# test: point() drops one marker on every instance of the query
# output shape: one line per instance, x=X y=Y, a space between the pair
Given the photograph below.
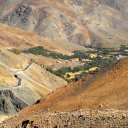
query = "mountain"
x=101 y=23
x=22 y=81
x=11 y=37
x=63 y=63
x=94 y=99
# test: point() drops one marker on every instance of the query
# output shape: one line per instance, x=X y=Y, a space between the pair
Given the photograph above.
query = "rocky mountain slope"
x=11 y=37
x=91 y=22
x=25 y=80
x=42 y=42
x=22 y=82
x=107 y=89
x=102 y=98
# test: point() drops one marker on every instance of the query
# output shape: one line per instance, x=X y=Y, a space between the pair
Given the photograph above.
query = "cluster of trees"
x=98 y=62
x=39 y=50
x=124 y=50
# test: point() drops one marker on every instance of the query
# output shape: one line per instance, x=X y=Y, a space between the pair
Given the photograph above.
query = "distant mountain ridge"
x=63 y=63
x=92 y=22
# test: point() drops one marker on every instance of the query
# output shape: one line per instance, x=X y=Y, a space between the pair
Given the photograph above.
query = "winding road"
x=21 y=72
x=17 y=74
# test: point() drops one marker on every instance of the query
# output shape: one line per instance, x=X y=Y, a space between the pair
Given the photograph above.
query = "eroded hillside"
x=91 y=22
x=101 y=98
x=22 y=82
x=19 y=39
x=26 y=62
x=66 y=60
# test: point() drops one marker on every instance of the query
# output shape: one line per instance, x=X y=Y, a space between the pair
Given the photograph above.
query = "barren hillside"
x=91 y=22
x=25 y=79
x=63 y=63
x=11 y=37
x=108 y=88
x=22 y=82
x=104 y=91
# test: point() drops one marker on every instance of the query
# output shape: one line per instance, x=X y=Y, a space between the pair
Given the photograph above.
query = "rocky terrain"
x=81 y=119
x=94 y=101
x=22 y=82
x=25 y=80
x=107 y=89
x=63 y=63
x=92 y=22
x=18 y=39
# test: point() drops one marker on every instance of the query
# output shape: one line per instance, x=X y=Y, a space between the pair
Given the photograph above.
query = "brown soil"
x=11 y=37
x=108 y=88
x=105 y=90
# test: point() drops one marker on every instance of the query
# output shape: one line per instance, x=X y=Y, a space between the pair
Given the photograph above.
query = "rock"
x=73 y=21
x=9 y=103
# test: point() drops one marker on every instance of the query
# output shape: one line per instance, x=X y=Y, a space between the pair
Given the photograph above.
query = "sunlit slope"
x=12 y=61
x=15 y=68
x=23 y=82
x=19 y=75
x=106 y=90
x=20 y=39
x=6 y=78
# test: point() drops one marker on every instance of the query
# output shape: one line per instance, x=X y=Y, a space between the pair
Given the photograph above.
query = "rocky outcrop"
x=9 y=103
x=20 y=16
